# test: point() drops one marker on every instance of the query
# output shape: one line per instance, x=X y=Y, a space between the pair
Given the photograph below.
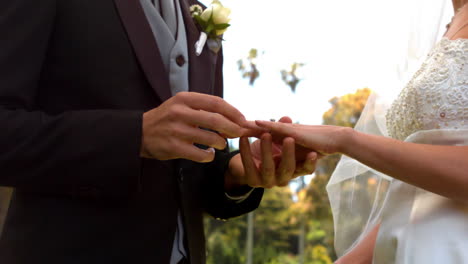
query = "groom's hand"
x=171 y=130
x=269 y=162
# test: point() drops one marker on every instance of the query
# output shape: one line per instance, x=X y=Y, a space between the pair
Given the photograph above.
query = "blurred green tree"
x=274 y=234
x=282 y=215
x=345 y=111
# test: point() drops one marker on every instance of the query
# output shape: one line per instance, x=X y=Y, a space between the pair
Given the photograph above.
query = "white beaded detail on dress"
x=437 y=95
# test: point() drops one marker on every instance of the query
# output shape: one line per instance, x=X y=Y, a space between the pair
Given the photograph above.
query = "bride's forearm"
x=363 y=252
x=439 y=169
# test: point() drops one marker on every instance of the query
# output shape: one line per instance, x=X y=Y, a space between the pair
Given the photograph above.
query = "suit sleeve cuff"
x=240 y=198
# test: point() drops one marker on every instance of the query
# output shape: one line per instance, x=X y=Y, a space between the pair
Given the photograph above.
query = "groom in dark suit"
x=100 y=104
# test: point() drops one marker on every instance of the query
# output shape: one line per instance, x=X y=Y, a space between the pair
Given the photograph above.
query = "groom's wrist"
x=232 y=178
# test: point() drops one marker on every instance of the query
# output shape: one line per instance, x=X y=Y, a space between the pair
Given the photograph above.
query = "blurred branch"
x=290 y=77
x=248 y=66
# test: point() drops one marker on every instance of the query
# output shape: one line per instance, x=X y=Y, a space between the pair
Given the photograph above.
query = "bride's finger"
x=251 y=129
x=278 y=127
x=250 y=169
x=296 y=131
x=277 y=137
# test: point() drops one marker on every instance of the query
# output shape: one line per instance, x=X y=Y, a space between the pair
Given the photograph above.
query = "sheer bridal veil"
x=358 y=193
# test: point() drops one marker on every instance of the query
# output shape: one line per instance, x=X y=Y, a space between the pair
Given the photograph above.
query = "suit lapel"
x=201 y=68
x=144 y=46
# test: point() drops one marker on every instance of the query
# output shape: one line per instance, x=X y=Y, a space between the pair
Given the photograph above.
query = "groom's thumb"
x=285 y=119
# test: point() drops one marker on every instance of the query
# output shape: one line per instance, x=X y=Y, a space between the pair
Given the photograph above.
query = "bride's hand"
x=320 y=138
x=272 y=160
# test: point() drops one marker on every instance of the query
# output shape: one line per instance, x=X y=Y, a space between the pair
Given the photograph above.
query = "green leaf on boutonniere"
x=221 y=26
x=203 y=24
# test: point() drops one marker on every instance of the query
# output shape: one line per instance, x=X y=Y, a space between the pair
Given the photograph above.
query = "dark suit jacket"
x=75 y=79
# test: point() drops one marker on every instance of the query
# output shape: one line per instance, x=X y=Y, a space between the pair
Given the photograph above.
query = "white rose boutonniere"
x=213 y=22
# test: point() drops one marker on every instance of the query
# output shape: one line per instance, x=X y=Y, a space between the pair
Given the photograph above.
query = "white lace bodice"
x=437 y=95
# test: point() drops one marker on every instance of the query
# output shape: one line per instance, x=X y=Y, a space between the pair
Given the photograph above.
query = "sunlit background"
x=337 y=51
x=341 y=49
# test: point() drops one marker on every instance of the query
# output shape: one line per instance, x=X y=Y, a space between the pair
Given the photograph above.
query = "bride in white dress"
x=404 y=198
